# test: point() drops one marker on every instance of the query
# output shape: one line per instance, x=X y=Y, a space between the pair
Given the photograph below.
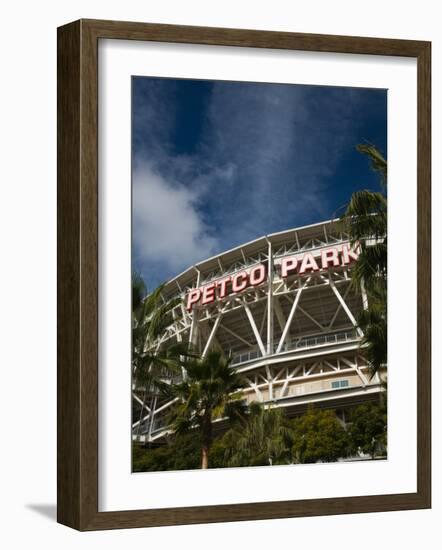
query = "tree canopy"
x=368 y=429
x=319 y=437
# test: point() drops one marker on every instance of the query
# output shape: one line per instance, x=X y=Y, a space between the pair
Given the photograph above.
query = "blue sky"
x=216 y=164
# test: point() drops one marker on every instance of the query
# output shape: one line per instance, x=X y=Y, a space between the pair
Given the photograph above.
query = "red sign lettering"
x=309 y=262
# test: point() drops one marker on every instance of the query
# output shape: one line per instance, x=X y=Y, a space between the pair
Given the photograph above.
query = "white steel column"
x=291 y=315
x=152 y=418
x=364 y=295
x=270 y=300
x=194 y=325
x=212 y=334
x=338 y=309
x=179 y=339
x=345 y=307
x=270 y=382
x=279 y=313
x=255 y=329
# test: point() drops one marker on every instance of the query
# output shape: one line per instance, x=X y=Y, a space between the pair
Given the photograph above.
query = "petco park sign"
x=300 y=264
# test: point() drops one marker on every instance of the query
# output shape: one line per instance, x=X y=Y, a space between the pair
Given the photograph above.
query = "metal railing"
x=299 y=343
x=306 y=342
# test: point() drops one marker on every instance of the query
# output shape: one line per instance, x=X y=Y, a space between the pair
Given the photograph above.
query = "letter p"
x=288 y=265
x=192 y=298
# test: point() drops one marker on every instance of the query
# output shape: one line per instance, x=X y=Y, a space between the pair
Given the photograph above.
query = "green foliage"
x=365 y=221
x=368 y=429
x=150 y=364
x=150 y=316
x=179 y=453
x=319 y=437
x=373 y=322
x=206 y=393
x=217 y=454
x=261 y=437
x=377 y=161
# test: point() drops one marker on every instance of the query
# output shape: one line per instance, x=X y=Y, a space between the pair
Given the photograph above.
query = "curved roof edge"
x=265 y=238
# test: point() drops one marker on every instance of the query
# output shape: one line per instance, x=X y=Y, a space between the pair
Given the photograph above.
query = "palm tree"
x=206 y=393
x=150 y=316
x=365 y=221
x=262 y=437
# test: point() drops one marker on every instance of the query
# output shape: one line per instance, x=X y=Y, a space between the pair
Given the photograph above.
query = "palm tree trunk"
x=204 y=458
x=206 y=440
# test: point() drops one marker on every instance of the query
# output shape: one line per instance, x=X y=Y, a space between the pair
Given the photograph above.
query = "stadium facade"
x=283 y=307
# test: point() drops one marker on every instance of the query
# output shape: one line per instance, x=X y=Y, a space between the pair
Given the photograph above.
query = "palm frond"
x=365 y=222
x=378 y=162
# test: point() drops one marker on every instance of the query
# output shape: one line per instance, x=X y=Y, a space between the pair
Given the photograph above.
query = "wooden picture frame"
x=77 y=387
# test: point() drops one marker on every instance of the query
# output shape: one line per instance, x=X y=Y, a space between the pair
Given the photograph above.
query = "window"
x=339 y=384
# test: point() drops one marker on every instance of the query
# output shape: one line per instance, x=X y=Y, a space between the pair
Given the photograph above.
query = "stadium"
x=284 y=309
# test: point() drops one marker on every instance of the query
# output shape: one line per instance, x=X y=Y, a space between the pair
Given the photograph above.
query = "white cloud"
x=168 y=229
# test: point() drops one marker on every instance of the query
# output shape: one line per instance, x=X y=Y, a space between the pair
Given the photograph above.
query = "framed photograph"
x=243 y=286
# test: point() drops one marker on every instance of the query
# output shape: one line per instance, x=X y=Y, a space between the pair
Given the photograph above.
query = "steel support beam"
x=338 y=309
x=193 y=337
x=312 y=319
x=240 y=338
x=291 y=315
x=279 y=313
x=254 y=329
x=345 y=307
x=212 y=335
